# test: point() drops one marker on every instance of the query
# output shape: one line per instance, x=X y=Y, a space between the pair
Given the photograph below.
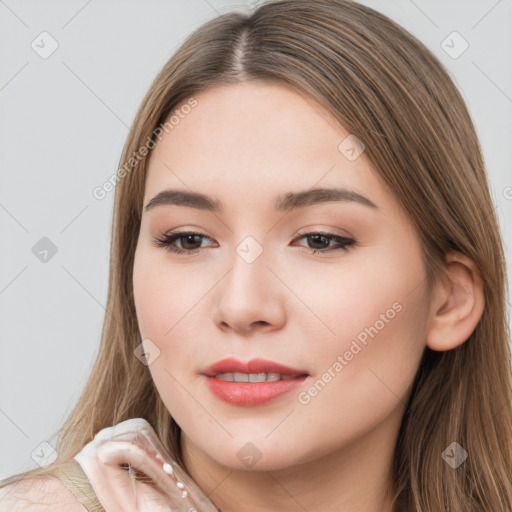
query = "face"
x=327 y=285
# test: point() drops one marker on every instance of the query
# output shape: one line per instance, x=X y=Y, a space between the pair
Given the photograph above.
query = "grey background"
x=63 y=122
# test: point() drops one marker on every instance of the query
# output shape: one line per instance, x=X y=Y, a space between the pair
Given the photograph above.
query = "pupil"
x=188 y=237
x=315 y=240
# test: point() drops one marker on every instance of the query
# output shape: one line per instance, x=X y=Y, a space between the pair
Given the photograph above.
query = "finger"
x=116 y=488
x=117 y=453
x=111 y=487
x=140 y=432
x=145 y=436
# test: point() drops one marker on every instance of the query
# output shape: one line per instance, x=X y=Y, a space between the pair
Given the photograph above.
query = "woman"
x=306 y=305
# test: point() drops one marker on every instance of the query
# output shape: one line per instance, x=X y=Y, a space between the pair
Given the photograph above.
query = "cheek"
x=379 y=313
x=364 y=296
x=150 y=302
x=164 y=296
x=161 y=300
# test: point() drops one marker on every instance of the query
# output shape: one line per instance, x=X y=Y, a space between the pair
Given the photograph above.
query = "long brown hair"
x=385 y=87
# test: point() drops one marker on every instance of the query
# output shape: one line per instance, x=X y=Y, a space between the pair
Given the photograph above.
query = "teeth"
x=253 y=377
x=257 y=377
x=240 y=377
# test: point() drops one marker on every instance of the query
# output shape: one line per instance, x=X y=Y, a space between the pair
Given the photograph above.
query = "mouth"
x=253 y=377
x=253 y=383
x=255 y=368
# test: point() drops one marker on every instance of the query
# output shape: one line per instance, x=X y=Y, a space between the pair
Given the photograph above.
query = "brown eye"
x=320 y=242
x=188 y=240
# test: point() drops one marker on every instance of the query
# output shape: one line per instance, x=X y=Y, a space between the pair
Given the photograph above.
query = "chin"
x=258 y=456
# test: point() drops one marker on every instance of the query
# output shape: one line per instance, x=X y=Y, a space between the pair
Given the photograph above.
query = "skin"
x=243 y=145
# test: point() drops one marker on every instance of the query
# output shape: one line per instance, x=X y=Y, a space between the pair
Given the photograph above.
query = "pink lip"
x=231 y=365
x=249 y=394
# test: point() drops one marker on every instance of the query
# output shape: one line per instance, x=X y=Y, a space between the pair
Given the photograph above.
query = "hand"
x=124 y=464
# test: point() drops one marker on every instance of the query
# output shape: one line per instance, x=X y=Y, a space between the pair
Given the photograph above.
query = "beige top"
x=74 y=478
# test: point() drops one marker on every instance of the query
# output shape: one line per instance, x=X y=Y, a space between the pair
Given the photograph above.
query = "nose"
x=250 y=298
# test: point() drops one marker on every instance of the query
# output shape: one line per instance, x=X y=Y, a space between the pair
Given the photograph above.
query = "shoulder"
x=47 y=494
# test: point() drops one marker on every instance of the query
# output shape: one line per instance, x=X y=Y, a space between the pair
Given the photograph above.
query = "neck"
x=355 y=478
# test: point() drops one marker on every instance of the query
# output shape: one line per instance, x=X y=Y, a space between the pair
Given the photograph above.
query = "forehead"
x=257 y=139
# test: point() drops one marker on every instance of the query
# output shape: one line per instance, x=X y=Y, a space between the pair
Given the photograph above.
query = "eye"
x=187 y=239
x=190 y=238
x=321 y=239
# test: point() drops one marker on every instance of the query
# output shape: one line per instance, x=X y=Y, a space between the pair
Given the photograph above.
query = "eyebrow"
x=284 y=203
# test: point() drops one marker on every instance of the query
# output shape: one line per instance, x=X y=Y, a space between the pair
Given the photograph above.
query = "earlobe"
x=457 y=305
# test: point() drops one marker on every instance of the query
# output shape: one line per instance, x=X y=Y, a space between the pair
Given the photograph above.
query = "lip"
x=250 y=394
x=231 y=365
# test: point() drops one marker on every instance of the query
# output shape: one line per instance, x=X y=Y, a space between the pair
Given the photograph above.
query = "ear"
x=457 y=304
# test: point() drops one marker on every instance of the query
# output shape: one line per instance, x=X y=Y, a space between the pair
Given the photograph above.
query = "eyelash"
x=166 y=242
